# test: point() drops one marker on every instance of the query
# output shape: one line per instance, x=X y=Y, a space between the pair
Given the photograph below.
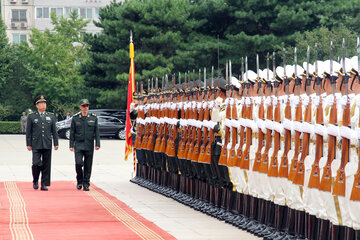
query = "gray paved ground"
x=112 y=174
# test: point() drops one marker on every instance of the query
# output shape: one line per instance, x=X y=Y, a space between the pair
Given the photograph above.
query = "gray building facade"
x=20 y=16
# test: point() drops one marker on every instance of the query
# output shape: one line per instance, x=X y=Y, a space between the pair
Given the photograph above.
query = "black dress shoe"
x=36 y=185
x=79 y=186
x=86 y=188
x=44 y=188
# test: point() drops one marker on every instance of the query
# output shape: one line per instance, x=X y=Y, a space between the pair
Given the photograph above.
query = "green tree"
x=53 y=60
x=322 y=37
x=163 y=31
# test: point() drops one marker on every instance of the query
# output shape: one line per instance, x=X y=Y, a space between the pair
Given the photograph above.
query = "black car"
x=118 y=113
x=108 y=127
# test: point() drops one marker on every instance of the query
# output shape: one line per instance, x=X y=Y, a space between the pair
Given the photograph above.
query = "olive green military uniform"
x=40 y=130
x=84 y=130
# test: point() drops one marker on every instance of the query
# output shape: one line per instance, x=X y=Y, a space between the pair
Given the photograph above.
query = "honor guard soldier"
x=84 y=130
x=40 y=131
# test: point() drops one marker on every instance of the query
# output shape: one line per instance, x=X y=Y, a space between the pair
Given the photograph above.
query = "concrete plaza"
x=112 y=174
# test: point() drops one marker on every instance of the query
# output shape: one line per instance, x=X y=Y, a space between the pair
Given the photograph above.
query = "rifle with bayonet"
x=355 y=193
x=314 y=181
x=170 y=148
x=151 y=139
x=145 y=139
x=191 y=116
x=257 y=162
x=264 y=167
x=232 y=154
x=284 y=164
x=141 y=116
x=340 y=183
x=245 y=161
x=206 y=120
x=196 y=151
x=160 y=116
x=223 y=160
x=208 y=149
x=300 y=168
x=274 y=169
x=183 y=118
x=298 y=115
x=194 y=117
x=325 y=184
x=166 y=115
x=243 y=116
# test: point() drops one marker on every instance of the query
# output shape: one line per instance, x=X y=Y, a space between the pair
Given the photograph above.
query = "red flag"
x=131 y=89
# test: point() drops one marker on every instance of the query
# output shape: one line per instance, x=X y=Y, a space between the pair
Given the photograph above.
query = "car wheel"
x=67 y=134
x=121 y=134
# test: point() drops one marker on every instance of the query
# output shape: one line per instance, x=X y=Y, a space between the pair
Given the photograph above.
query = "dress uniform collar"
x=80 y=115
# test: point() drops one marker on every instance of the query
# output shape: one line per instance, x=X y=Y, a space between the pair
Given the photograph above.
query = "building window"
x=86 y=13
x=70 y=10
x=57 y=11
x=17 y=38
x=42 y=13
x=96 y=13
x=18 y=15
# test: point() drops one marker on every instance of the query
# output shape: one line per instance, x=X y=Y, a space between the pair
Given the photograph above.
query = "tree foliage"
x=53 y=60
x=170 y=36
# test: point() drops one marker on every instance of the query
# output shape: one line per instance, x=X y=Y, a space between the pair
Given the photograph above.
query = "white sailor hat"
x=311 y=68
x=235 y=82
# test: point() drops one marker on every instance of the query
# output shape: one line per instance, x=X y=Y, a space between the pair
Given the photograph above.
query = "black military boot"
x=357 y=234
x=349 y=233
x=43 y=187
x=324 y=229
x=35 y=172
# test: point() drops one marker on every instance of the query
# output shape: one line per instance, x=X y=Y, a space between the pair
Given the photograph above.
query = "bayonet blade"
x=246 y=68
x=316 y=59
x=242 y=69
x=212 y=77
x=156 y=84
x=166 y=81
x=227 y=73
x=343 y=55
x=274 y=67
x=148 y=85
x=331 y=59
x=307 y=59
x=179 y=78
x=204 y=78
x=230 y=73
x=267 y=67
x=284 y=62
x=257 y=67
x=358 y=52
x=295 y=63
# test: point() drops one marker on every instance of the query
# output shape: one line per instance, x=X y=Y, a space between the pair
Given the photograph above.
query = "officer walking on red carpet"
x=40 y=130
x=84 y=130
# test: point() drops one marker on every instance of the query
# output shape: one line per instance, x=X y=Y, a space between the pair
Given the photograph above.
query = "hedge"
x=10 y=127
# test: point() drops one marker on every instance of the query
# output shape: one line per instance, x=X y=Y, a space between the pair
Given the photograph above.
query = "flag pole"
x=131 y=89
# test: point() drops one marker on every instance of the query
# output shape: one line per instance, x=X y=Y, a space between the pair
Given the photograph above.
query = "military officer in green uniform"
x=40 y=131
x=84 y=130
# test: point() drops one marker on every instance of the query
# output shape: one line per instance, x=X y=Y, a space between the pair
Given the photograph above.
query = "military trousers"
x=83 y=166
x=41 y=163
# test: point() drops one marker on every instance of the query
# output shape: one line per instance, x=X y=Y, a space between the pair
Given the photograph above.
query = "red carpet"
x=66 y=213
